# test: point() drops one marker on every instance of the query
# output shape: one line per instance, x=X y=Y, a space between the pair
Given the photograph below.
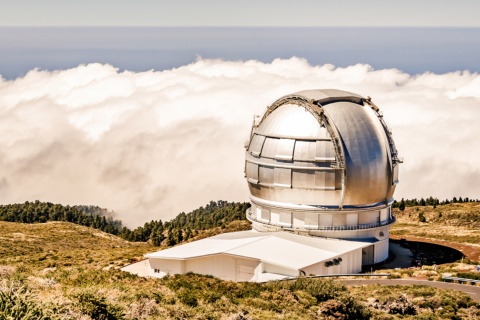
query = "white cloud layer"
x=152 y=144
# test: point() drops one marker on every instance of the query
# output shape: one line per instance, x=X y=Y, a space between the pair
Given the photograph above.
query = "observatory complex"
x=321 y=167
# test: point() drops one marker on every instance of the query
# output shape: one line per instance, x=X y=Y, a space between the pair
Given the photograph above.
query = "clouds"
x=149 y=145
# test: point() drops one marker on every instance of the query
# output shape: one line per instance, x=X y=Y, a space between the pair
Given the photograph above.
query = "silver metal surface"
x=323 y=148
x=251 y=217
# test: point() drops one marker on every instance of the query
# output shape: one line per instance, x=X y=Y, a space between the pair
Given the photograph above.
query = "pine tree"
x=171 y=239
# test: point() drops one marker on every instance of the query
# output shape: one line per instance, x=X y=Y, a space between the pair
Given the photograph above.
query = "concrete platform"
x=140 y=268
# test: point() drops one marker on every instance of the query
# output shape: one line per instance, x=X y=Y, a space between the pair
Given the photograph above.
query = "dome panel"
x=291 y=121
x=366 y=152
x=321 y=149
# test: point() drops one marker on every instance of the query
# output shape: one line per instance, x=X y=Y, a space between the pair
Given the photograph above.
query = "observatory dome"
x=317 y=150
x=321 y=167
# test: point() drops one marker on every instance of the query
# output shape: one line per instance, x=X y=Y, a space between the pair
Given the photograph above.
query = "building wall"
x=271 y=268
x=351 y=263
x=161 y=267
x=247 y=269
x=381 y=250
x=372 y=223
x=378 y=233
x=222 y=266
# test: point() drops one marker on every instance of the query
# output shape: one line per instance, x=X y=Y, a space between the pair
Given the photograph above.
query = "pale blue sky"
x=415 y=13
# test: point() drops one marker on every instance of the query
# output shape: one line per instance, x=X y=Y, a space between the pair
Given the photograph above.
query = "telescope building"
x=321 y=167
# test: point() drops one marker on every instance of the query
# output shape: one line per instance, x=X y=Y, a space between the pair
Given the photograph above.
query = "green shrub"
x=344 y=308
x=187 y=297
x=320 y=289
x=97 y=307
x=421 y=217
x=17 y=303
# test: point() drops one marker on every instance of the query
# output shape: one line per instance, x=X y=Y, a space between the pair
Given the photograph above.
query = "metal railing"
x=251 y=218
x=460 y=280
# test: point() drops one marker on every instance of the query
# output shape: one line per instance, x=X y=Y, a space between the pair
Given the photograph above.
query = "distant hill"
x=215 y=217
x=40 y=212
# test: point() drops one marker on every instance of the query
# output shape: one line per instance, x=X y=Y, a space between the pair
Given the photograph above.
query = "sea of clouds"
x=149 y=145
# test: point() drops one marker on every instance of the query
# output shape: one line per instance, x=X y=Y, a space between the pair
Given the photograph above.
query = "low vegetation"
x=47 y=277
x=455 y=222
x=416 y=302
x=62 y=270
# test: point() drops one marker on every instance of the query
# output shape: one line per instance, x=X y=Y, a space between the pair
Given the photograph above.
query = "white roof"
x=280 y=248
x=213 y=245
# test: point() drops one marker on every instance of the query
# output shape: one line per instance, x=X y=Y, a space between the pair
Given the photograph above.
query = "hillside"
x=60 y=270
x=216 y=216
x=63 y=244
x=455 y=222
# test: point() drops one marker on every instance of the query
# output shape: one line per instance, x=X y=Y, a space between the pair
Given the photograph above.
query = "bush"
x=187 y=297
x=320 y=289
x=344 y=308
x=421 y=217
x=97 y=307
x=17 y=303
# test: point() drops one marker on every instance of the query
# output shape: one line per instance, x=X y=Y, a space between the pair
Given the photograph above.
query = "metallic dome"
x=328 y=149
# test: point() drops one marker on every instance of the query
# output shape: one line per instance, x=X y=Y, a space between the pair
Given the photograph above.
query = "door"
x=245 y=270
x=368 y=256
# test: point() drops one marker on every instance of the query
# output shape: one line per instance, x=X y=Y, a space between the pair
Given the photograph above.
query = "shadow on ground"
x=405 y=254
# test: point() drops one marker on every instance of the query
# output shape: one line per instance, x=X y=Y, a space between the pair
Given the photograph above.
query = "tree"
x=421 y=217
x=422 y=202
x=188 y=233
x=179 y=235
x=171 y=239
x=157 y=236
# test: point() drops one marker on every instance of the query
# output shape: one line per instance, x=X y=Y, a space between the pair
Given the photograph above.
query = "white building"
x=321 y=167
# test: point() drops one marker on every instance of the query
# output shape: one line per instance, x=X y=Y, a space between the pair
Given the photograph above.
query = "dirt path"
x=471 y=251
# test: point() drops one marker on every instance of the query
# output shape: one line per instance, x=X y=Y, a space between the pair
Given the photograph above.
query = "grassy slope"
x=457 y=222
x=60 y=244
x=71 y=272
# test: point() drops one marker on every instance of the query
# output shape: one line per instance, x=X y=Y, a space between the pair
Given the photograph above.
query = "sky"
x=446 y=13
x=412 y=50
x=150 y=121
